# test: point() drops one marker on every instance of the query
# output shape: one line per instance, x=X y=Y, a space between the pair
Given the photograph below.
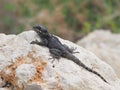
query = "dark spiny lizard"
x=57 y=49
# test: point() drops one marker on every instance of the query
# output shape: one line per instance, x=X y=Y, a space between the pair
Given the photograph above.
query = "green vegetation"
x=78 y=16
x=9 y=7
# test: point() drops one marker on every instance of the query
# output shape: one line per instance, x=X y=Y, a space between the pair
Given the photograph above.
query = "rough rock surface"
x=27 y=67
x=105 y=45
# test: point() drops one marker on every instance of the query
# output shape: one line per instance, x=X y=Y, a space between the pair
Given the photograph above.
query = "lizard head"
x=40 y=30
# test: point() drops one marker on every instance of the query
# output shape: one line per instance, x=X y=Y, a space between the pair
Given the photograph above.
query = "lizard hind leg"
x=56 y=54
x=71 y=50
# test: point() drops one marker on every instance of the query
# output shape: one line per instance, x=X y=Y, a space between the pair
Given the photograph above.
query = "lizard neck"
x=45 y=36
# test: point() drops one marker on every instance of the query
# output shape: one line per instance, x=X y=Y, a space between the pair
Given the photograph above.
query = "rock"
x=24 y=72
x=4 y=89
x=33 y=87
x=105 y=45
x=25 y=66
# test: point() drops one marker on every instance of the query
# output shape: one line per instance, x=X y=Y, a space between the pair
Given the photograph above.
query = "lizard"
x=57 y=49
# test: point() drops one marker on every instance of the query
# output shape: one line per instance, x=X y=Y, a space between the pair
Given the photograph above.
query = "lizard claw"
x=73 y=49
x=53 y=58
x=34 y=42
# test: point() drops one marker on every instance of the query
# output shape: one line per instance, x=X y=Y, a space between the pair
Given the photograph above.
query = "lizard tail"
x=89 y=69
x=78 y=62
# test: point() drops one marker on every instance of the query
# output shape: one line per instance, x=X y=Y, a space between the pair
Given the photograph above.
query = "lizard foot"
x=53 y=58
x=34 y=42
x=73 y=50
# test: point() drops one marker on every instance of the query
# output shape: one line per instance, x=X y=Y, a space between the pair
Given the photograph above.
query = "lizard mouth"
x=37 y=30
x=40 y=30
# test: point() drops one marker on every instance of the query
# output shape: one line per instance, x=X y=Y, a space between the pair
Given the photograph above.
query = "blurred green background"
x=69 y=19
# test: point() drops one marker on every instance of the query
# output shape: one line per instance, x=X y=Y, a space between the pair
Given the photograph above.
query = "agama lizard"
x=57 y=49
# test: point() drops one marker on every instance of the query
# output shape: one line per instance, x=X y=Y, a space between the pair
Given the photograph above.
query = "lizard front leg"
x=44 y=42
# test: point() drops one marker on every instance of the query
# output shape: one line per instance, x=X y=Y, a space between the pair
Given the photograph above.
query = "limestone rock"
x=105 y=45
x=27 y=67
